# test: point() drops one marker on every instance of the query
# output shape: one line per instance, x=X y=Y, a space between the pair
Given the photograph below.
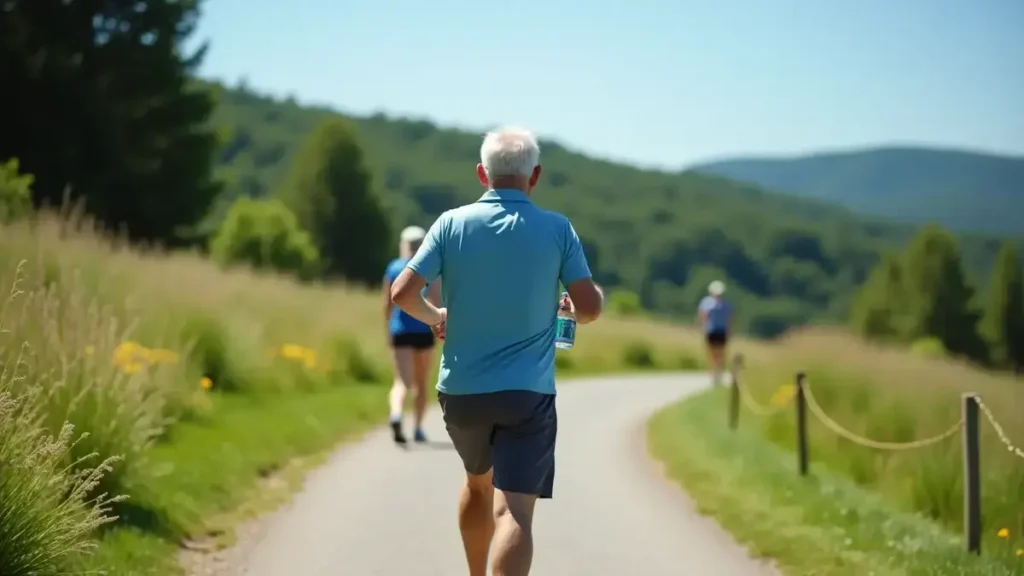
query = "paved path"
x=377 y=510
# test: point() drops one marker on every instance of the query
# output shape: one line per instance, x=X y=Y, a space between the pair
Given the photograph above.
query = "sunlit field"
x=185 y=384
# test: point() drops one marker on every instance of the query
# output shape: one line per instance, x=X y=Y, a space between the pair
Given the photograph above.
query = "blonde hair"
x=409 y=240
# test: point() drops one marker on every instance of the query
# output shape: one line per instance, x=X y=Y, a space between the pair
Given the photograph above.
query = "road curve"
x=376 y=510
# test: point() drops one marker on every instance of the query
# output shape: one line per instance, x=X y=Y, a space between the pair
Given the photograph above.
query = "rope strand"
x=834 y=426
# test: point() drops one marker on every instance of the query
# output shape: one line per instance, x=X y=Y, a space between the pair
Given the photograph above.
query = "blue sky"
x=658 y=83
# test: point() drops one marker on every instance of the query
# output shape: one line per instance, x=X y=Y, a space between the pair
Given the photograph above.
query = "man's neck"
x=510 y=184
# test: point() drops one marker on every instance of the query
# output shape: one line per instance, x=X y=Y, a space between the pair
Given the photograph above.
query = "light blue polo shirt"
x=501 y=259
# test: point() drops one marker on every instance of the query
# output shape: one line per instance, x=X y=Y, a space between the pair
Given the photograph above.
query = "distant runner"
x=715 y=314
x=411 y=342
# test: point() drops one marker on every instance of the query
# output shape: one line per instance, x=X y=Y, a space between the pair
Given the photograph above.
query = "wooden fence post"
x=734 y=393
x=972 y=474
x=801 y=424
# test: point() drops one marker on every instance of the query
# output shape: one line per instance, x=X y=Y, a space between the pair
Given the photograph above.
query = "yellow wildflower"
x=206 y=383
x=126 y=352
x=1003 y=533
x=293 y=351
x=1020 y=553
x=131 y=367
x=90 y=350
x=783 y=395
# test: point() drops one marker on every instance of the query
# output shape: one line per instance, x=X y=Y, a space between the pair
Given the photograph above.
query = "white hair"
x=509 y=151
x=716 y=288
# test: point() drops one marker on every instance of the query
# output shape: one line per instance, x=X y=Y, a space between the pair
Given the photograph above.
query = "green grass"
x=823 y=524
x=893 y=395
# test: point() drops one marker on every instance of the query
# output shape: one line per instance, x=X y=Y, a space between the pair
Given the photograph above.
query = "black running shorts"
x=417 y=340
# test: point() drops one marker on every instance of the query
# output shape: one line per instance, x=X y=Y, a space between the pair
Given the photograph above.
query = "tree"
x=329 y=190
x=1003 y=324
x=265 y=235
x=15 y=192
x=879 y=308
x=938 y=298
x=100 y=103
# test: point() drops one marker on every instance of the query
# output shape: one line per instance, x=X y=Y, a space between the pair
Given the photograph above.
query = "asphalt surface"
x=377 y=510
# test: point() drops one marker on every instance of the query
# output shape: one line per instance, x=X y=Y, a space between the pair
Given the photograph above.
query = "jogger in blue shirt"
x=715 y=315
x=411 y=341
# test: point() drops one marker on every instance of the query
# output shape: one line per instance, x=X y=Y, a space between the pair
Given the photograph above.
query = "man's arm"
x=425 y=266
x=407 y=294
x=387 y=299
x=586 y=297
x=434 y=292
x=587 y=300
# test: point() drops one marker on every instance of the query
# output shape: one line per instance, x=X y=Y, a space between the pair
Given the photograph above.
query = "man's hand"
x=440 y=329
x=586 y=300
x=566 y=304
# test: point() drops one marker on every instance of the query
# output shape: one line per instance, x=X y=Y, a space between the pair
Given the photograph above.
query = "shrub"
x=349 y=361
x=232 y=358
x=689 y=362
x=564 y=362
x=15 y=192
x=928 y=348
x=265 y=235
x=624 y=303
x=638 y=354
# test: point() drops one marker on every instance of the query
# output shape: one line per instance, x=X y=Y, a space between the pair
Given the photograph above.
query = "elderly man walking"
x=502 y=259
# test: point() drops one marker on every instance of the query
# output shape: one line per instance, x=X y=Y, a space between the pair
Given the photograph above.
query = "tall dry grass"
x=888 y=394
x=54 y=474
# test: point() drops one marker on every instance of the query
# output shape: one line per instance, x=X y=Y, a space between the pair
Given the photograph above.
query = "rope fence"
x=802 y=397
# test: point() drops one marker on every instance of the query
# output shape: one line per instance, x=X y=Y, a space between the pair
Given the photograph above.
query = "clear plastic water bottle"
x=565 y=327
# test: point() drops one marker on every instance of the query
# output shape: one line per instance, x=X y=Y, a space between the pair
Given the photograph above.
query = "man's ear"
x=481 y=175
x=535 y=176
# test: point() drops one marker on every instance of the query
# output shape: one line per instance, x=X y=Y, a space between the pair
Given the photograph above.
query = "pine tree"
x=330 y=192
x=879 y=309
x=938 y=297
x=111 y=113
x=1003 y=325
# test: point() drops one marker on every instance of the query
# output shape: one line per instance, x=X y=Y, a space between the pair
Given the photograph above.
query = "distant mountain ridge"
x=963 y=190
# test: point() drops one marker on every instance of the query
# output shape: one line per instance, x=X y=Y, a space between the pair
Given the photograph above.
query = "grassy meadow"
x=863 y=510
x=159 y=389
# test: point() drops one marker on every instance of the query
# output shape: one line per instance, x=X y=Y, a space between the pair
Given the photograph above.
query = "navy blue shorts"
x=512 y=431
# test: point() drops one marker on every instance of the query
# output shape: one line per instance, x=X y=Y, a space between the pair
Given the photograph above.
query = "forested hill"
x=664 y=236
x=960 y=190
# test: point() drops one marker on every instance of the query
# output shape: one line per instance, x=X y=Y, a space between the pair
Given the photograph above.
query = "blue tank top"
x=400 y=322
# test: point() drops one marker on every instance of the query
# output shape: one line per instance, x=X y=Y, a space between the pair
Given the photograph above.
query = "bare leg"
x=713 y=364
x=421 y=371
x=717 y=352
x=403 y=362
x=476 y=520
x=513 y=542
